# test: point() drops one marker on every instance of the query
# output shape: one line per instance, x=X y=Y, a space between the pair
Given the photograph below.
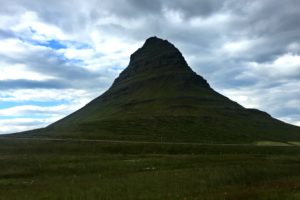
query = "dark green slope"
x=158 y=97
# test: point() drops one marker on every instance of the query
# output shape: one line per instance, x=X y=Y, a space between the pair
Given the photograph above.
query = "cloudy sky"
x=55 y=56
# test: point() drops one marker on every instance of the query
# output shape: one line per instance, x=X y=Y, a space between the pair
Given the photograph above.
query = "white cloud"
x=215 y=21
x=81 y=54
x=238 y=48
x=174 y=16
x=76 y=96
x=15 y=50
x=285 y=69
x=243 y=97
x=287 y=65
x=29 y=21
x=19 y=71
x=35 y=110
x=110 y=44
x=291 y=119
x=24 y=117
x=27 y=117
x=12 y=46
x=22 y=124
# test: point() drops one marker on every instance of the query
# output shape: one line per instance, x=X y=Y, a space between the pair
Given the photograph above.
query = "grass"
x=94 y=170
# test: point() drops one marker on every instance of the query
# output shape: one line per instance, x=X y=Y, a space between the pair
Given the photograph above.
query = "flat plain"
x=79 y=170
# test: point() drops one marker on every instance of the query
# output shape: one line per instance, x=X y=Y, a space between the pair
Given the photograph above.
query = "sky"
x=56 y=56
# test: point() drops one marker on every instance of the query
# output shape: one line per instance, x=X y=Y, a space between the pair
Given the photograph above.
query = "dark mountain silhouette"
x=159 y=97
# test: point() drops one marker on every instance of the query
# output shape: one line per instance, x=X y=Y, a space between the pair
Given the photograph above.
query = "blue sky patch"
x=25 y=117
x=78 y=45
x=53 y=44
x=6 y=104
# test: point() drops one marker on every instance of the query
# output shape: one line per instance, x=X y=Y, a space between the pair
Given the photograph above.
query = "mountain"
x=158 y=97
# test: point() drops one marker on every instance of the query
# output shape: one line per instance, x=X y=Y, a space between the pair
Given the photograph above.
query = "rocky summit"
x=158 y=97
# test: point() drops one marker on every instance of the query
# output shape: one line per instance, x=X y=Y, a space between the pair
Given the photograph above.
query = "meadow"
x=84 y=170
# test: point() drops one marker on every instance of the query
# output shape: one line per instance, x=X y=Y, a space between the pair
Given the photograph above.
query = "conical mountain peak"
x=155 y=42
x=157 y=52
x=158 y=58
x=159 y=96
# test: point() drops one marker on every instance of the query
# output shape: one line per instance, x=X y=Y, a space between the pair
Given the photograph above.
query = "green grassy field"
x=98 y=170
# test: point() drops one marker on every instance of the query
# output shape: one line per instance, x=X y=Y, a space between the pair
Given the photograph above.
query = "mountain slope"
x=158 y=97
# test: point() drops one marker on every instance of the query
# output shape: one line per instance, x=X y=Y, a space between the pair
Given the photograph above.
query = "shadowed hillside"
x=159 y=98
